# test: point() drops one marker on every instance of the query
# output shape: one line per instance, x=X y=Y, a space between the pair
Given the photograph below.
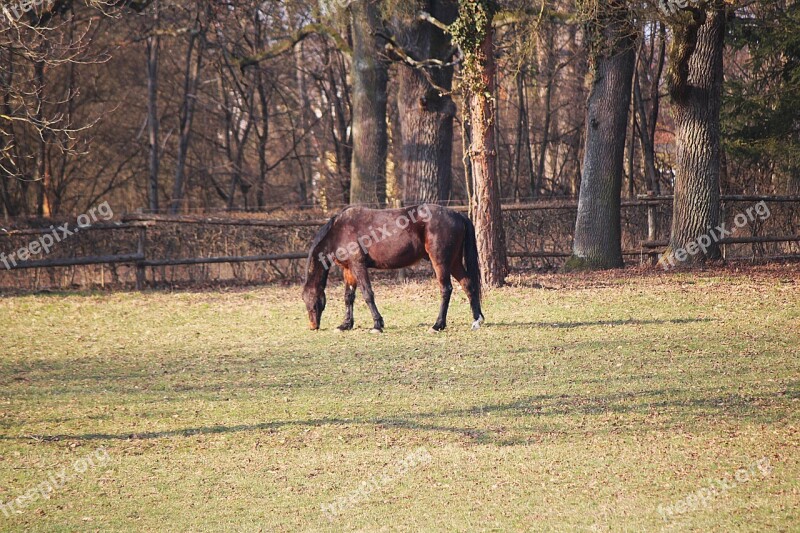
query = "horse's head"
x=314 y=297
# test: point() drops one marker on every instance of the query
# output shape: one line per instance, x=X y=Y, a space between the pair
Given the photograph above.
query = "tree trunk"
x=632 y=147
x=523 y=158
x=370 y=76
x=338 y=99
x=187 y=115
x=655 y=94
x=14 y=204
x=152 y=118
x=537 y=181
x=426 y=108
x=479 y=82
x=695 y=86
x=306 y=182
x=42 y=170
x=648 y=150
x=263 y=138
x=597 y=242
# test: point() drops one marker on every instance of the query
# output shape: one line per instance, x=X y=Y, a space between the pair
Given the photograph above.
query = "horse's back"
x=398 y=238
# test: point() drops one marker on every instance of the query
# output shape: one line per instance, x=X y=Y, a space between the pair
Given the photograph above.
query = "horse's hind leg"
x=349 y=298
x=474 y=300
x=362 y=277
x=443 y=276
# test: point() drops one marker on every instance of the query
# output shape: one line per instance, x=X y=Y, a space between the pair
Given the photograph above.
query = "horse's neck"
x=319 y=274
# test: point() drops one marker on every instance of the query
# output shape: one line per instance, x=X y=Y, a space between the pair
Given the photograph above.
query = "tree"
x=426 y=107
x=194 y=62
x=473 y=32
x=42 y=130
x=370 y=76
x=153 y=44
x=597 y=243
x=759 y=114
x=694 y=78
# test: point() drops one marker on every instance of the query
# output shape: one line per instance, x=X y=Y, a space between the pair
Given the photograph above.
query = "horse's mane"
x=318 y=238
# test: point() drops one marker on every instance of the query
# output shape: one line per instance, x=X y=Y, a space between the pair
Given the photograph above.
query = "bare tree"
x=427 y=110
x=194 y=61
x=153 y=44
x=695 y=86
x=597 y=242
x=370 y=76
x=473 y=31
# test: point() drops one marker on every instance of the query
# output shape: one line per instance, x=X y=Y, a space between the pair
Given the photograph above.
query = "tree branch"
x=289 y=43
x=684 y=43
x=427 y=17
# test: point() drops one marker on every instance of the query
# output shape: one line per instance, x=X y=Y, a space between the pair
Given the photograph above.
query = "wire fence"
x=144 y=249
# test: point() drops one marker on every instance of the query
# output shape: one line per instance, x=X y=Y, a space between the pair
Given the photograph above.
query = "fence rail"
x=141 y=223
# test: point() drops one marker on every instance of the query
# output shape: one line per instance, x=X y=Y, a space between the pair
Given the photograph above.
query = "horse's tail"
x=471 y=264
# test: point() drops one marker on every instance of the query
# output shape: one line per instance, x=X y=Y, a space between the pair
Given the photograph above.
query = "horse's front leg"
x=349 y=298
x=362 y=277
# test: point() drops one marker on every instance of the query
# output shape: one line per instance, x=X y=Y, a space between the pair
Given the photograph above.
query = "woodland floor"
x=584 y=404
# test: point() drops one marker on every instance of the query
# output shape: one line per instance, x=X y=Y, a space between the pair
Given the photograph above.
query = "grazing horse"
x=358 y=239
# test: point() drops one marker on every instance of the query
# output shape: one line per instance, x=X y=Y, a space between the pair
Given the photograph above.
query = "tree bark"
x=537 y=181
x=306 y=182
x=426 y=108
x=695 y=86
x=480 y=74
x=632 y=145
x=370 y=76
x=648 y=150
x=597 y=243
x=153 y=44
x=42 y=167
x=263 y=139
x=187 y=116
x=523 y=158
x=655 y=94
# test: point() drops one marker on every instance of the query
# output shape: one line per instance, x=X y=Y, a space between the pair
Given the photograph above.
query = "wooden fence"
x=649 y=247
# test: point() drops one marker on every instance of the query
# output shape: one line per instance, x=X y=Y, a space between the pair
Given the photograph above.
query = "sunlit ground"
x=583 y=404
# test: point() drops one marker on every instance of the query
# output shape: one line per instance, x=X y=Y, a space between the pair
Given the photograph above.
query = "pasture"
x=584 y=404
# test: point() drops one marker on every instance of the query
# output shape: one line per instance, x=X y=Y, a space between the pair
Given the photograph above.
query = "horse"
x=359 y=238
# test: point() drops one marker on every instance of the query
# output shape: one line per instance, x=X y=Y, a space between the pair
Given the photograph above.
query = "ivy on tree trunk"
x=473 y=32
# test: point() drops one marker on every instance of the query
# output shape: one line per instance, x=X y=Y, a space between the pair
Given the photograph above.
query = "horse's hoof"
x=477 y=324
x=434 y=330
x=376 y=330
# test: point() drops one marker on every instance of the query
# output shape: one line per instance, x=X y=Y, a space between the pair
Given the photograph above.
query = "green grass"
x=584 y=404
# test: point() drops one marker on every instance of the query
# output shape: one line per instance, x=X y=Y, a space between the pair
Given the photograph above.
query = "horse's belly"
x=399 y=254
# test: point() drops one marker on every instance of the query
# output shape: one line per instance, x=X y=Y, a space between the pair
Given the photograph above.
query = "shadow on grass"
x=569 y=325
x=671 y=408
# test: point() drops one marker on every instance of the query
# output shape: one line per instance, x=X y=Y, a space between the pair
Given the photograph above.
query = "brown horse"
x=358 y=239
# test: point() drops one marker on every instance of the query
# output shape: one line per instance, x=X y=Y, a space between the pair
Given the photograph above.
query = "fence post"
x=652 y=224
x=141 y=277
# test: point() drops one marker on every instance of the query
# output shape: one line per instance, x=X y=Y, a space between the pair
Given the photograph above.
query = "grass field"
x=584 y=404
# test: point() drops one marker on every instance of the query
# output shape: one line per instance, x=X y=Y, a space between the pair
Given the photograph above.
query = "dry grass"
x=585 y=404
